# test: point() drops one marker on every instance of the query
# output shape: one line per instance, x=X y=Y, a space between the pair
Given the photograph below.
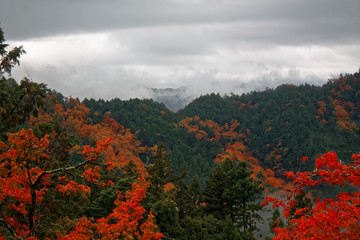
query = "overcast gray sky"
x=123 y=48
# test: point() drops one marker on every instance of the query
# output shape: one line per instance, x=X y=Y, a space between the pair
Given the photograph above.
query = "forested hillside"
x=277 y=126
x=290 y=121
x=132 y=169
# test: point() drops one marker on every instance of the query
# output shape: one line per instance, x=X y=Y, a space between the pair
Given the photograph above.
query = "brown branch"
x=32 y=207
x=10 y=228
x=64 y=169
x=14 y=108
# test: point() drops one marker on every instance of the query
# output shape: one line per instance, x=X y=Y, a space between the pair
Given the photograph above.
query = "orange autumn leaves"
x=124 y=148
x=199 y=127
x=24 y=182
x=125 y=222
x=343 y=109
x=321 y=112
x=16 y=175
x=238 y=152
x=343 y=118
x=234 y=149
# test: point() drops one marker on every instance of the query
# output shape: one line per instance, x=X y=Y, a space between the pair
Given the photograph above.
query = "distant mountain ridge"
x=173 y=98
x=281 y=125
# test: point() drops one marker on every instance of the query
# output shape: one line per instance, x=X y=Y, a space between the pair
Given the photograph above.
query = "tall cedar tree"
x=161 y=173
x=231 y=193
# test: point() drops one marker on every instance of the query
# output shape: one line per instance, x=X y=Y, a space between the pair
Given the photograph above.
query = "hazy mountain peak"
x=173 y=98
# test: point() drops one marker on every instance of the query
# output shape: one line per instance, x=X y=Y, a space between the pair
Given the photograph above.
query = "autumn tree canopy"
x=34 y=171
x=327 y=218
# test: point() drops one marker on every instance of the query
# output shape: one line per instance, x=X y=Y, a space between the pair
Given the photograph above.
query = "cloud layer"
x=125 y=48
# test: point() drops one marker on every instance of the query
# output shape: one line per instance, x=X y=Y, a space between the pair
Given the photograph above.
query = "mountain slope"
x=290 y=121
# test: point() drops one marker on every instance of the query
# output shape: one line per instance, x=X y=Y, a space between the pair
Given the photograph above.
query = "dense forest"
x=277 y=126
x=132 y=169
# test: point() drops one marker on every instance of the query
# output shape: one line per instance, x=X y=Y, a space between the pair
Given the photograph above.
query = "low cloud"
x=126 y=48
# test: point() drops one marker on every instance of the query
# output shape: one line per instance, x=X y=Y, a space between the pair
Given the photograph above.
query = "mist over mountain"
x=173 y=98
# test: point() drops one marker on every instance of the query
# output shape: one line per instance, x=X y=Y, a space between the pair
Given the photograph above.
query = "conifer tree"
x=231 y=194
x=17 y=101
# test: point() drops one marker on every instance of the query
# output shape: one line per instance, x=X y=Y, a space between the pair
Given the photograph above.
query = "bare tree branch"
x=10 y=228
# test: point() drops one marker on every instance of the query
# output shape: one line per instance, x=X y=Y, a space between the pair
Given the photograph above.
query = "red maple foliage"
x=125 y=147
x=343 y=118
x=327 y=218
x=238 y=152
x=25 y=179
x=125 y=222
x=235 y=149
x=322 y=108
x=227 y=131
